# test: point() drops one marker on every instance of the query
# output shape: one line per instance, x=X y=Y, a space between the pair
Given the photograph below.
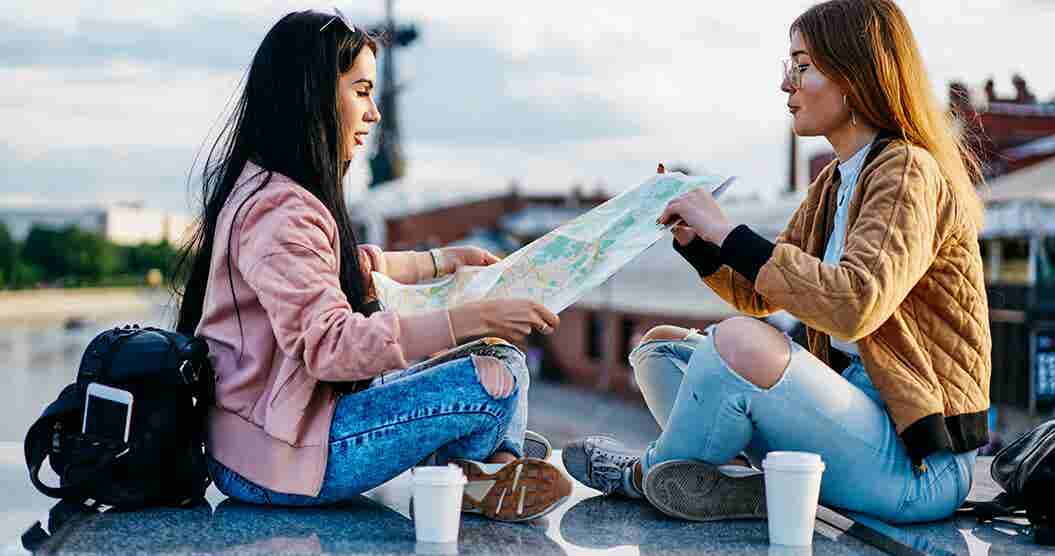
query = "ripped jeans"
x=711 y=413
x=438 y=406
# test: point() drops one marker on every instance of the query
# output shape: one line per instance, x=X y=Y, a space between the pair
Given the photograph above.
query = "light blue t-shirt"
x=848 y=173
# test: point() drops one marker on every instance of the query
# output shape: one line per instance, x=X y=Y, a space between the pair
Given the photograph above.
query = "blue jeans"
x=438 y=407
x=710 y=413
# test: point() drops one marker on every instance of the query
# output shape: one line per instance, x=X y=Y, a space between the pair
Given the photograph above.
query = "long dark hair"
x=287 y=121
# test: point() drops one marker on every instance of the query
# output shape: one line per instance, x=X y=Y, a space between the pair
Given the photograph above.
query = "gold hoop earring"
x=853 y=117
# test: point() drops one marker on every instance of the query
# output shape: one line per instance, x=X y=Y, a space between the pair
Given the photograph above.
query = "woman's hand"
x=682 y=233
x=509 y=319
x=698 y=212
x=453 y=258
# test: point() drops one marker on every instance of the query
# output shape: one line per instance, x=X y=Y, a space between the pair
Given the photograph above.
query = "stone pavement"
x=379 y=522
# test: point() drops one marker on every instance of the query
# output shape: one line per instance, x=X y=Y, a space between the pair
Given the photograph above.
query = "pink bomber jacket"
x=298 y=333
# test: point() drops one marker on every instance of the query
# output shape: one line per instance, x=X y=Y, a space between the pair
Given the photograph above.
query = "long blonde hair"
x=868 y=47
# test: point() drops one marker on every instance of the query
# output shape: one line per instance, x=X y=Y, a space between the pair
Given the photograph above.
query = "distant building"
x=124 y=224
x=400 y=215
x=20 y=219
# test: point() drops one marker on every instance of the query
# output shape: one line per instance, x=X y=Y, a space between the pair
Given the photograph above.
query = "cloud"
x=155 y=175
x=214 y=42
x=116 y=96
x=463 y=90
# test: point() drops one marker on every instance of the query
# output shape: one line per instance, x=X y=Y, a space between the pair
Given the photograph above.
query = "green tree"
x=141 y=258
x=25 y=275
x=70 y=255
x=8 y=257
x=41 y=249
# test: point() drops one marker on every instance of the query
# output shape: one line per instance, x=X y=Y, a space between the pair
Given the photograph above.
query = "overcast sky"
x=111 y=100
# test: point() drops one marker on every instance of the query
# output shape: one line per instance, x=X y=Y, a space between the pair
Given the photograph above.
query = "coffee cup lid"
x=438 y=475
x=793 y=461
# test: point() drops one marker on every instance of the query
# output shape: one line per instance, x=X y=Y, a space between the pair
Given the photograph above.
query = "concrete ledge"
x=379 y=523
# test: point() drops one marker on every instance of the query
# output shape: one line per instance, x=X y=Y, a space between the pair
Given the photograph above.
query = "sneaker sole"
x=522 y=490
x=536 y=446
x=698 y=491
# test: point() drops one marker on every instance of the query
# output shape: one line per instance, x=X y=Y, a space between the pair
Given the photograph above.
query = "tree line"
x=70 y=257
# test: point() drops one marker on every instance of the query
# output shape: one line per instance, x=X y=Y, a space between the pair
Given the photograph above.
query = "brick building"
x=401 y=216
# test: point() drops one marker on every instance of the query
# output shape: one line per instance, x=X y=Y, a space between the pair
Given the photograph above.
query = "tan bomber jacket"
x=909 y=290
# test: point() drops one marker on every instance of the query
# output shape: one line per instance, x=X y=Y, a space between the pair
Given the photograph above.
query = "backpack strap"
x=197 y=374
x=1002 y=505
x=62 y=516
x=101 y=351
x=46 y=437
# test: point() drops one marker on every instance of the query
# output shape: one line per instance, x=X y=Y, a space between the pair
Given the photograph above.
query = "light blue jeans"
x=438 y=407
x=710 y=413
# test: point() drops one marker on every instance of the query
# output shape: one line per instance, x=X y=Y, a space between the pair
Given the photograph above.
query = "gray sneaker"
x=698 y=491
x=602 y=463
x=536 y=446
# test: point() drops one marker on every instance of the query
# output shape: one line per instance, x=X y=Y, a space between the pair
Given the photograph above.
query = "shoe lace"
x=607 y=470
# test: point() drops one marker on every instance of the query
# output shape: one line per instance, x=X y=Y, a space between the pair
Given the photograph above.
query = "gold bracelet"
x=435 y=253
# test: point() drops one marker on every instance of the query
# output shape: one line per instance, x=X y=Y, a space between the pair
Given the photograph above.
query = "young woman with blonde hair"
x=880 y=262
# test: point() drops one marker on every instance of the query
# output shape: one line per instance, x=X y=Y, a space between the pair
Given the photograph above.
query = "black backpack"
x=163 y=461
x=1025 y=469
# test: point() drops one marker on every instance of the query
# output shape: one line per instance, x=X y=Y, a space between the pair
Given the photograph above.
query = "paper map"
x=561 y=266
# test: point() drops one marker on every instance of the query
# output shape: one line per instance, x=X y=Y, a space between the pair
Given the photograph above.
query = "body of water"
x=40 y=358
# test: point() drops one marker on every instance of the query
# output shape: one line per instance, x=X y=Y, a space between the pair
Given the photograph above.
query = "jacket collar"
x=883 y=138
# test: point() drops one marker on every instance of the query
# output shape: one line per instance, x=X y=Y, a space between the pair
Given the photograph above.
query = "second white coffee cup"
x=437 y=493
x=793 y=486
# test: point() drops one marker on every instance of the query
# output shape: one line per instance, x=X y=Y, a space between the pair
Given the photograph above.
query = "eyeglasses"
x=792 y=72
x=339 y=16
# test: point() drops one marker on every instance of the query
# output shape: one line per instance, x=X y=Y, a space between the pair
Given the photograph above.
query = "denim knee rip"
x=496 y=377
x=648 y=347
x=712 y=350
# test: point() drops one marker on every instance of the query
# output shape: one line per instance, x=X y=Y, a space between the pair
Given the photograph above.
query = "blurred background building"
x=120 y=223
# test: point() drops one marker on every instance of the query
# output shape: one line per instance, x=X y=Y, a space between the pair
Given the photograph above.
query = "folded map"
x=560 y=267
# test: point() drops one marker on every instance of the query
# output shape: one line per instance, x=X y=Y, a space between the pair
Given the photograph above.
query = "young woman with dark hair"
x=314 y=399
x=880 y=262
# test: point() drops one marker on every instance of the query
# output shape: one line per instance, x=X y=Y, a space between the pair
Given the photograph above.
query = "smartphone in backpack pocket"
x=107 y=412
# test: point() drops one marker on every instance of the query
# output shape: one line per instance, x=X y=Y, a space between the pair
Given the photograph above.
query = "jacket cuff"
x=424 y=334
x=746 y=252
x=926 y=436
x=703 y=255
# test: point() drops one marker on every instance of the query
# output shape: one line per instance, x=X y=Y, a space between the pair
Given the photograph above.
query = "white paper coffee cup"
x=437 y=493
x=793 y=487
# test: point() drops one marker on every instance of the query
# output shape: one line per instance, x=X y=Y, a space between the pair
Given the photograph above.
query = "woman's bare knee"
x=494 y=376
x=753 y=349
x=665 y=332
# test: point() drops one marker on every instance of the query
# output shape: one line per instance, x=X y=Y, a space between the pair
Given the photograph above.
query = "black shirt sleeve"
x=746 y=252
x=703 y=255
